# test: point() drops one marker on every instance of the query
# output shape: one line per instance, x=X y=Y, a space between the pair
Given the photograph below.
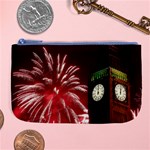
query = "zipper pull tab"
x=28 y=42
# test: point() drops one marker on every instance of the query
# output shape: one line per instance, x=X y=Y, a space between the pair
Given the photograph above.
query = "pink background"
x=67 y=26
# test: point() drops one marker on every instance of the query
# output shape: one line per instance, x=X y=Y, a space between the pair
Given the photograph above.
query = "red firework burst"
x=50 y=92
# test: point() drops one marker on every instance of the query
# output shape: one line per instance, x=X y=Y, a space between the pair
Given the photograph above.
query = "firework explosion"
x=49 y=92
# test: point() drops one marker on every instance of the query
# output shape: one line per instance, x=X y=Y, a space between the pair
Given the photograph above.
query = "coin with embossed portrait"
x=1 y=119
x=35 y=16
x=29 y=139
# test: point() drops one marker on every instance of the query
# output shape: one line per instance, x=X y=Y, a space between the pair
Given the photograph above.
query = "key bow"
x=83 y=6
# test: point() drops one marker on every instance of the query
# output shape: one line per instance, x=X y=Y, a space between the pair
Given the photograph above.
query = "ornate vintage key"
x=87 y=6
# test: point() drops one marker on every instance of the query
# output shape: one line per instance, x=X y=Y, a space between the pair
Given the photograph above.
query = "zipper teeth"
x=38 y=42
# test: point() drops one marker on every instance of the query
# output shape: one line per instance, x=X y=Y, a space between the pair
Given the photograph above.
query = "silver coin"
x=35 y=16
x=1 y=119
x=29 y=140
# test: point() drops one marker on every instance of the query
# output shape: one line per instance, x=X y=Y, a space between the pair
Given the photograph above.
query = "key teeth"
x=145 y=23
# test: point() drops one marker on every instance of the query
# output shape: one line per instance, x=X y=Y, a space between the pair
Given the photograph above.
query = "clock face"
x=120 y=92
x=98 y=92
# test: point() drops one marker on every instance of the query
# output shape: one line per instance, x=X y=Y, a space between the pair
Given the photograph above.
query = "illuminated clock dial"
x=120 y=92
x=98 y=92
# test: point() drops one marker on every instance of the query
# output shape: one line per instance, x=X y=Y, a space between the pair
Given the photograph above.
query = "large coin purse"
x=84 y=83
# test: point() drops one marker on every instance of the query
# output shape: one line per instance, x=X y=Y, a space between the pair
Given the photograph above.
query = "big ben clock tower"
x=109 y=92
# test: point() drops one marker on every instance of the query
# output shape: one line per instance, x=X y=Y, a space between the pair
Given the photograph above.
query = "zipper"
x=40 y=42
x=28 y=42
